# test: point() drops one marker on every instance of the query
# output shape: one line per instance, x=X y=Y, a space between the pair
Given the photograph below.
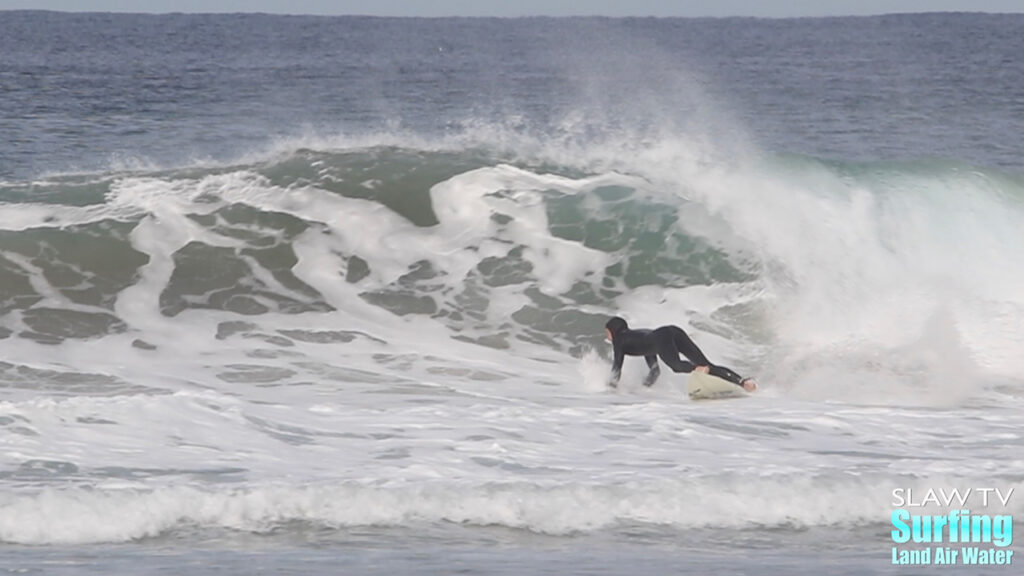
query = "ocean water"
x=310 y=295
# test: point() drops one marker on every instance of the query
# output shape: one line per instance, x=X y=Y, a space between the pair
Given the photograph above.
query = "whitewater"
x=387 y=345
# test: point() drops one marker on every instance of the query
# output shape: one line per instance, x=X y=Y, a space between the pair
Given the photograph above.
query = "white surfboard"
x=701 y=386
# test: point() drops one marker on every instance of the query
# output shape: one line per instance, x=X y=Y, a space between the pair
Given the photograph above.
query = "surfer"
x=665 y=343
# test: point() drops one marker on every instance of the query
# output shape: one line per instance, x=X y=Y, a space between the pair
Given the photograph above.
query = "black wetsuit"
x=665 y=343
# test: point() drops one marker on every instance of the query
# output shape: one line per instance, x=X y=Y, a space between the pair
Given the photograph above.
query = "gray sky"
x=763 y=8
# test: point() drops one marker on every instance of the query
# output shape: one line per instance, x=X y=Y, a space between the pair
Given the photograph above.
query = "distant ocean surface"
x=326 y=295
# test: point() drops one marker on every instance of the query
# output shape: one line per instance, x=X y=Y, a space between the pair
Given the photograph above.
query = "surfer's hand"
x=702 y=369
x=749 y=384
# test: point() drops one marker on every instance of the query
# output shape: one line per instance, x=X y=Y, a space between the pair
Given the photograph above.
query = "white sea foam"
x=348 y=453
x=116 y=515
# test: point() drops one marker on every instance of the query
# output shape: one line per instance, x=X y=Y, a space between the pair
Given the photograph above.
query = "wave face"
x=822 y=264
x=444 y=236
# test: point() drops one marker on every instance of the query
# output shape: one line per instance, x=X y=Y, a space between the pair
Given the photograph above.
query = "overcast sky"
x=763 y=8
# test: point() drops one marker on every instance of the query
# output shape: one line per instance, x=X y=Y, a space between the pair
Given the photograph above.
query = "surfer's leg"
x=726 y=374
x=683 y=343
x=664 y=340
x=652 y=376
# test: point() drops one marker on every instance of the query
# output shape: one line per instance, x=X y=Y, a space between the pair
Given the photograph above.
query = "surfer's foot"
x=749 y=384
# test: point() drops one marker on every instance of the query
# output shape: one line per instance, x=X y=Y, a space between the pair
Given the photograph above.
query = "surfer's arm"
x=620 y=355
x=652 y=376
